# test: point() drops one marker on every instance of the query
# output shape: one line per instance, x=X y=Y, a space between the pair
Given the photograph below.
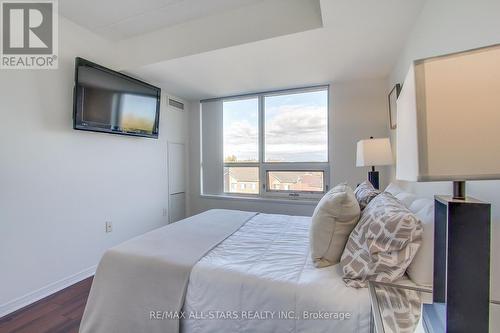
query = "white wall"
x=58 y=186
x=358 y=110
x=446 y=26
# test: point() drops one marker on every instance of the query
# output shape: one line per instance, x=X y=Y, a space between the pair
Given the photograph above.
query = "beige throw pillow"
x=333 y=220
x=383 y=243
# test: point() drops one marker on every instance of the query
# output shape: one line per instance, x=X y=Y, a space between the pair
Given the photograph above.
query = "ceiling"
x=219 y=48
x=359 y=40
x=120 y=19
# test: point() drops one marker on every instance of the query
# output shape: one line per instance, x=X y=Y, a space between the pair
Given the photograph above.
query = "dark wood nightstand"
x=397 y=308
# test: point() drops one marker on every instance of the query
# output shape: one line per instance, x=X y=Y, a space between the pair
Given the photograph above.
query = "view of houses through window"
x=246 y=180
x=289 y=154
x=295 y=181
x=241 y=180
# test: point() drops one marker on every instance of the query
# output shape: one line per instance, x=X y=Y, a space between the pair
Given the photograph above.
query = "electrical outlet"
x=109 y=226
x=165 y=212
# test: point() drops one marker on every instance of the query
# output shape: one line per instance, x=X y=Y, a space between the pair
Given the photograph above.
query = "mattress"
x=262 y=279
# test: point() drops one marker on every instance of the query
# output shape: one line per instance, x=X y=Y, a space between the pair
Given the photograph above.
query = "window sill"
x=309 y=202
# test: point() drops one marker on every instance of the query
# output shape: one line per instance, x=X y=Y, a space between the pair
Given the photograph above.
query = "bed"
x=259 y=278
x=235 y=271
x=266 y=266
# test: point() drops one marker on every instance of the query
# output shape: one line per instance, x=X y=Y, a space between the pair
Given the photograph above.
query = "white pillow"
x=332 y=222
x=393 y=189
x=421 y=268
x=406 y=198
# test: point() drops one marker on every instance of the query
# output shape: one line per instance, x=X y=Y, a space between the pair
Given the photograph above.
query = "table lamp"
x=448 y=130
x=372 y=153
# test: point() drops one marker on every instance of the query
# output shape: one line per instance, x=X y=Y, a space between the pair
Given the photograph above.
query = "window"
x=241 y=145
x=276 y=144
x=242 y=180
x=241 y=131
x=296 y=127
x=297 y=181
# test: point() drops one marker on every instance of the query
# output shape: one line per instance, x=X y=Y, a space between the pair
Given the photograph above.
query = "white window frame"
x=264 y=189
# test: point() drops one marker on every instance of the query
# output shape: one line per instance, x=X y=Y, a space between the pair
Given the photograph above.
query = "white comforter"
x=149 y=274
x=262 y=274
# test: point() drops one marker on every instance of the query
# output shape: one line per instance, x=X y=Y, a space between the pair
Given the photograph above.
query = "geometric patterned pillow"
x=405 y=311
x=383 y=243
x=364 y=193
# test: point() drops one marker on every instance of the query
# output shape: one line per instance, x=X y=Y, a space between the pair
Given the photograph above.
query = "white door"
x=176 y=181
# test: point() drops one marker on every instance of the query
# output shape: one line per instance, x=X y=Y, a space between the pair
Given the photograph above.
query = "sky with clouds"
x=296 y=128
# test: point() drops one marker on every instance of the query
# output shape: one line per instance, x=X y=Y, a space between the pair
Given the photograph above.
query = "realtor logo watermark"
x=29 y=37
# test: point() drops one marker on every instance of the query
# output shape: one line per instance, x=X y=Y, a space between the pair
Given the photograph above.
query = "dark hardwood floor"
x=57 y=313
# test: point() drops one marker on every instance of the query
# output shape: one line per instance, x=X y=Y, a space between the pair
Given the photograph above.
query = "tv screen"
x=111 y=102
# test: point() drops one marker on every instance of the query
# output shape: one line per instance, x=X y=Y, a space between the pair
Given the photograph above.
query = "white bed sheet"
x=264 y=272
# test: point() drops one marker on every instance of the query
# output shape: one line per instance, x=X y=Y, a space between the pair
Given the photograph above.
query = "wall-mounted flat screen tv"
x=111 y=102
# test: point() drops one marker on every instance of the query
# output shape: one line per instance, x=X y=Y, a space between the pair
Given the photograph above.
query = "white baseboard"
x=43 y=292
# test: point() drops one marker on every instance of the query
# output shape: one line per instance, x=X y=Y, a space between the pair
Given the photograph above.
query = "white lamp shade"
x=449 y=118
x=374 y=152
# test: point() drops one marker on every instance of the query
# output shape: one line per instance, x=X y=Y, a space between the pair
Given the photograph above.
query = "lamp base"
x=459 y=190
x=373 y=178
x=461 y=241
